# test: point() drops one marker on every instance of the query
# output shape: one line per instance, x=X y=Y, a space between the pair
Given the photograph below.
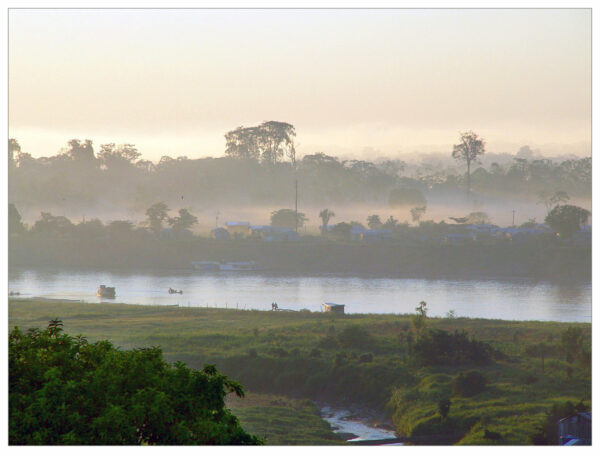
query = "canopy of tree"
x=287 y=218
x=567 y=219
x=269 y=142
x=80 y=177
x=66 y=391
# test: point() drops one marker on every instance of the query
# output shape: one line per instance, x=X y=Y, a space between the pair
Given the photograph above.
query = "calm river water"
x=499 y=299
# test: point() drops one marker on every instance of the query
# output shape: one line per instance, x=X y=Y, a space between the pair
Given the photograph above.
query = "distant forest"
x=259 y=167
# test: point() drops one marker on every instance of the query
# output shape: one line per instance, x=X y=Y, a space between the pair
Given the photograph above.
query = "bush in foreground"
x=64 y=390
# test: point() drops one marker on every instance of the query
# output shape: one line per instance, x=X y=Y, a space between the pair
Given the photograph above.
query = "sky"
x=355 y=82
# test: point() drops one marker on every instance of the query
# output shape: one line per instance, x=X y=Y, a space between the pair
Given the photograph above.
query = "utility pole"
x=513 y=212
x=217 y=220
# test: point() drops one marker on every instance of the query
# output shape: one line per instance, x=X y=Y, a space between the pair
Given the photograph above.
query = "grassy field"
x=281 y=420
x=359 y=359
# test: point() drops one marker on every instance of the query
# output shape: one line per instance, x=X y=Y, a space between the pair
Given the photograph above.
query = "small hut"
x=332 y=307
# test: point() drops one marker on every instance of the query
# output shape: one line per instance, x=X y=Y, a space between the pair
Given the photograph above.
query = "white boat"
x=206 y=266
x=225 y=266
x=238 y=266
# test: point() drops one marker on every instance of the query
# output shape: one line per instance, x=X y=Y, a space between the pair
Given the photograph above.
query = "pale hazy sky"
x=174 y=81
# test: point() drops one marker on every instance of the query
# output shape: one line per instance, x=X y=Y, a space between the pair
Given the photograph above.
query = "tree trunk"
x=468 y=177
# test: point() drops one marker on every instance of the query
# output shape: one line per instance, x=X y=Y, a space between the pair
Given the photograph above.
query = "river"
x=497 y=299
x=353 y=425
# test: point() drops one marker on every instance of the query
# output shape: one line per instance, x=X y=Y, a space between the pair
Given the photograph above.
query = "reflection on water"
x=511 y=300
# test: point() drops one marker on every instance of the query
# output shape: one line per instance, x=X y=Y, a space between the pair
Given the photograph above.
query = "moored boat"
x=225 y=266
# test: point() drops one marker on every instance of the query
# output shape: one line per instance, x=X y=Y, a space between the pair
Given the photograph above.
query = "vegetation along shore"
x=438 y=380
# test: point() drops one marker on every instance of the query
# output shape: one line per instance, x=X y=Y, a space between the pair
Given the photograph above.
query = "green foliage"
x=224 y=337
x=269 y=142
x=469 y=384
x=546 y=432
x=417 y=212
x=571 y=342
x=341 y=231
x=325 y=216
x=15 y=226
x=374 y=222
x=419 y=320
x=284 y=421
x=156 y=214
x=184 y=221
x=469 y=149
x=566 y=219
x=287 y=218
x=355 y=337
x=439 y=347
x=52 y=226
x=64 y=390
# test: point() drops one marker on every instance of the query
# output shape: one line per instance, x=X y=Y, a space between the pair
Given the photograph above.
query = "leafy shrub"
x=355 y=337
x=439 y=347
x=63 y=390
x=469 y=384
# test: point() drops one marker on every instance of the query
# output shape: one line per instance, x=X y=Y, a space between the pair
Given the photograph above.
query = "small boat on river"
x=106 y=292
x=225 y=266
x=172 y=291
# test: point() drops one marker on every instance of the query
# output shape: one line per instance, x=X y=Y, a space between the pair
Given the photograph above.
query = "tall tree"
x=550 y=200
x=243 y=143
x=269 y=142
x=13 y=147
x=115 y=157
x=81 y=152
x=15 y=226
x=325 y=216
x=156 y=214
x=469 y=149
x=184 y=221
x=278 y=141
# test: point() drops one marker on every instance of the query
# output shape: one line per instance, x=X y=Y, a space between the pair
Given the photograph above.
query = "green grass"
x=281 y=420
x=298 y=354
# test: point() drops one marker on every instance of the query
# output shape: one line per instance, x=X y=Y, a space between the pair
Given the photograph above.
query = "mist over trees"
x=259 y=166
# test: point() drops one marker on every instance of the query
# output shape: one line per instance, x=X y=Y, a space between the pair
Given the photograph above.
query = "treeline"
x=261 y=170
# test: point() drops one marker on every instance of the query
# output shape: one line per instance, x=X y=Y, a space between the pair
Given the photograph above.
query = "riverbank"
x=360 y=359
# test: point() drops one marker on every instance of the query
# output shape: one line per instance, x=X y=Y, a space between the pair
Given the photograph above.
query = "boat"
x=106 y=292
x=206 y=266
x=225 y=266
x=239 y=266
x=172 y=291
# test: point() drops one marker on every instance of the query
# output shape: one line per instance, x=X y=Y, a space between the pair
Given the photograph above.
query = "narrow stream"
x=355 y=427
